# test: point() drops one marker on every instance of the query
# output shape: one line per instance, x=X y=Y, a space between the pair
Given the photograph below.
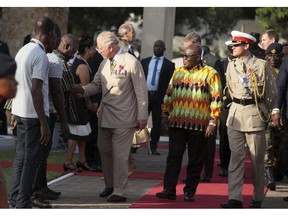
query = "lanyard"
x=41 y=46
x=244 y=80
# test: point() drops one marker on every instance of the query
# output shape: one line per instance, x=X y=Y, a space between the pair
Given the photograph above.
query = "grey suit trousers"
x=114 y=146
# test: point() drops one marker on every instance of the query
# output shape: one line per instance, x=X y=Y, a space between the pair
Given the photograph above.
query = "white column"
x=158 y=24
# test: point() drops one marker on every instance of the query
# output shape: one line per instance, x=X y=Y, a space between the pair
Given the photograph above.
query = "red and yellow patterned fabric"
x=193 y=98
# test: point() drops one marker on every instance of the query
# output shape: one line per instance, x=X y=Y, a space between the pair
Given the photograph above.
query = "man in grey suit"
x=124 y=107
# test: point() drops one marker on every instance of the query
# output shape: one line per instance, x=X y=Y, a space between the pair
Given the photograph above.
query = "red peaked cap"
x=241 y=37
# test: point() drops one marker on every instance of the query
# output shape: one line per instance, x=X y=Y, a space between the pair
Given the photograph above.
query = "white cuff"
x=210 y=123
x=275 y=110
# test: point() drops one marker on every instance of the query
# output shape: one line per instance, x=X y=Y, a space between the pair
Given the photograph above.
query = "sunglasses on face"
x=186 y=56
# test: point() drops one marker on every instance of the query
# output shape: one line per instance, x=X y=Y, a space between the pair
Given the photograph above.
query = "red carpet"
x=208 y=195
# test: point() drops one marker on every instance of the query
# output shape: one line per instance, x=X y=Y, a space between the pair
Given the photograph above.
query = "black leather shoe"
x=255 y=204
x=232 y=203
x=188 y=197
x=95 y=168
x=46 y=194
x=116 y=198
x=53 y=192
x=154 y=152
x=28 y=206
x=165 y=194
x=205 y=178
x=39 y=203
x=223 y=172
x=84 y=166
x=106 y=192
x=271 y=186
x=134 y=150
x=285 y=198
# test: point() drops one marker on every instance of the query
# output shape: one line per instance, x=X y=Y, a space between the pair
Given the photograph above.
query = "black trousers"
x=224 y=150
x=92 y=153
x=197 y=145
x=154 y=107
x=210 y=156
x=41 y=176
x=29 y=153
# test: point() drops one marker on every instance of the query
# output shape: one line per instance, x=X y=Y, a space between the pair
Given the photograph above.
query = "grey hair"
x=107 y=38
x=124 y=28
x=193 y=37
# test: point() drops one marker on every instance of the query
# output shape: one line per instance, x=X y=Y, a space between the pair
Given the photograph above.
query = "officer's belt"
x=245 y=102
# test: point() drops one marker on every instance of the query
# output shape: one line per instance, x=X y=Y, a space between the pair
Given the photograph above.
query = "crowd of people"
x=101 y=92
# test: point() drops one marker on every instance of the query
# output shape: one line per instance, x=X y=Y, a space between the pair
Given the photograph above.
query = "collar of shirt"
x=160 y=58
x=116 y=57
x=39 y=43
x=202 y=54
x=246 y=60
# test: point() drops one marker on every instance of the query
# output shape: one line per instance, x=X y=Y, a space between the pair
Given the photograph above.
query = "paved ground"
x=82 y=191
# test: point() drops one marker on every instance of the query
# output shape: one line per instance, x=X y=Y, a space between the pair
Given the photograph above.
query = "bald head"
x=196 y=48
x=69 y=39
x=159 y=48
x=68 y=45
x=44 y=25
x=192 y=56
x=44 y=31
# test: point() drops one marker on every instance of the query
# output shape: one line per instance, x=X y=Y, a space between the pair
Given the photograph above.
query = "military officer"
x=274 y=136
x=252 y=89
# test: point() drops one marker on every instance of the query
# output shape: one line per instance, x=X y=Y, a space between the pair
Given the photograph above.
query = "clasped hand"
x=277 y=121
x=77 y=91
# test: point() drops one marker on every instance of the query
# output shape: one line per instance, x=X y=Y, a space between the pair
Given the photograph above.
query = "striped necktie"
x=112 y=64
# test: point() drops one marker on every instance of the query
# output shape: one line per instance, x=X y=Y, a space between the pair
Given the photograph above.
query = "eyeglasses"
x=186 y=56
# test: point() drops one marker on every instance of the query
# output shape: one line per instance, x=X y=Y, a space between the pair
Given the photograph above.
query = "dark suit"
x=224 y=150
x=156 y=98
x=214 y=62
x=131 y=51
x=92 y=153
x=282 y=102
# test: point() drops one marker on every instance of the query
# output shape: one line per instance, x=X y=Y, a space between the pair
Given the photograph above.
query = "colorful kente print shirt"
x=193 y=98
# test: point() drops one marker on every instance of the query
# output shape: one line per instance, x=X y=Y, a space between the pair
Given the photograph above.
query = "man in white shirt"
x=31 y=111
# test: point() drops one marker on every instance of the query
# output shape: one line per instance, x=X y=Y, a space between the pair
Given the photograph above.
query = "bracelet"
x=213 y=124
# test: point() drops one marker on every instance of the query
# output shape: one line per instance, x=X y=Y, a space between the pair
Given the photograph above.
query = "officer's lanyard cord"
x=256 y=91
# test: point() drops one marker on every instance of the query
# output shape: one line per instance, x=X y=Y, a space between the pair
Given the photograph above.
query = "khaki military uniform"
x=246 y=121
